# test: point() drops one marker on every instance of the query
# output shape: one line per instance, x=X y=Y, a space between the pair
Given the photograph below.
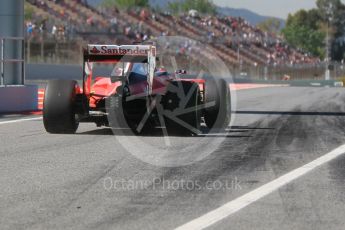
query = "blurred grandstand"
x=58 y=29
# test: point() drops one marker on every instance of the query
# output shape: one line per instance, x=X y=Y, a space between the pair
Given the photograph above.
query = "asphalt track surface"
x=60 y=181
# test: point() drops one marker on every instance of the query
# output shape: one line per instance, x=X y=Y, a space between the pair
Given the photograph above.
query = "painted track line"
x=244 y=86
x=20 y=120
x=236 y=205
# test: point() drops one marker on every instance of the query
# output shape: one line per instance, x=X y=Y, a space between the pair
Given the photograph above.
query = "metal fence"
x=52 y=51
x=290 y=72
x=9 y=58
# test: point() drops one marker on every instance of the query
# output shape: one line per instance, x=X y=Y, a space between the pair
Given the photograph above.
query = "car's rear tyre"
x=119 y=120
x=115 y=111
x=180 y=104
x=59 y=107
x=217 y=94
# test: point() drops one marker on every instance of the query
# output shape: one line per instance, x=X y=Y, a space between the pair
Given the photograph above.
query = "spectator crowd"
x=67 y=19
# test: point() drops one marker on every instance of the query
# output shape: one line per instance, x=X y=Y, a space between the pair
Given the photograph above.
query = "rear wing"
x=113 y=53
x=124 y=53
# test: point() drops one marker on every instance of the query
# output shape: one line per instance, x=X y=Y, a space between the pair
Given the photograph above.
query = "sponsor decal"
x=117 y=50
x=94 y=50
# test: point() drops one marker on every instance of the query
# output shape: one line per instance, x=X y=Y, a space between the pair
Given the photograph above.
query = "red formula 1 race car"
x=135 y=95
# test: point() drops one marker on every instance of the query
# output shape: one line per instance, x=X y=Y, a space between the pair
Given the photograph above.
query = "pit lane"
x=57 y=181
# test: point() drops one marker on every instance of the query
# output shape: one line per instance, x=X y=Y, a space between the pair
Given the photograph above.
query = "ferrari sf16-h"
x=136 y=95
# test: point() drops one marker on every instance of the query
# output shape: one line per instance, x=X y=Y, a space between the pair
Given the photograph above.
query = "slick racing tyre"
x=59 y=107
x=116 y=117
x=217 y=94
x=180 y=104
x=119 y=120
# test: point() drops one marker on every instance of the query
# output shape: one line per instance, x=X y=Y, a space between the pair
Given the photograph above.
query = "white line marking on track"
x=20 y=120
x=236 y=205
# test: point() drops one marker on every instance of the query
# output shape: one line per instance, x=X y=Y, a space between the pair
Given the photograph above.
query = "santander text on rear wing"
x=124 y=53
